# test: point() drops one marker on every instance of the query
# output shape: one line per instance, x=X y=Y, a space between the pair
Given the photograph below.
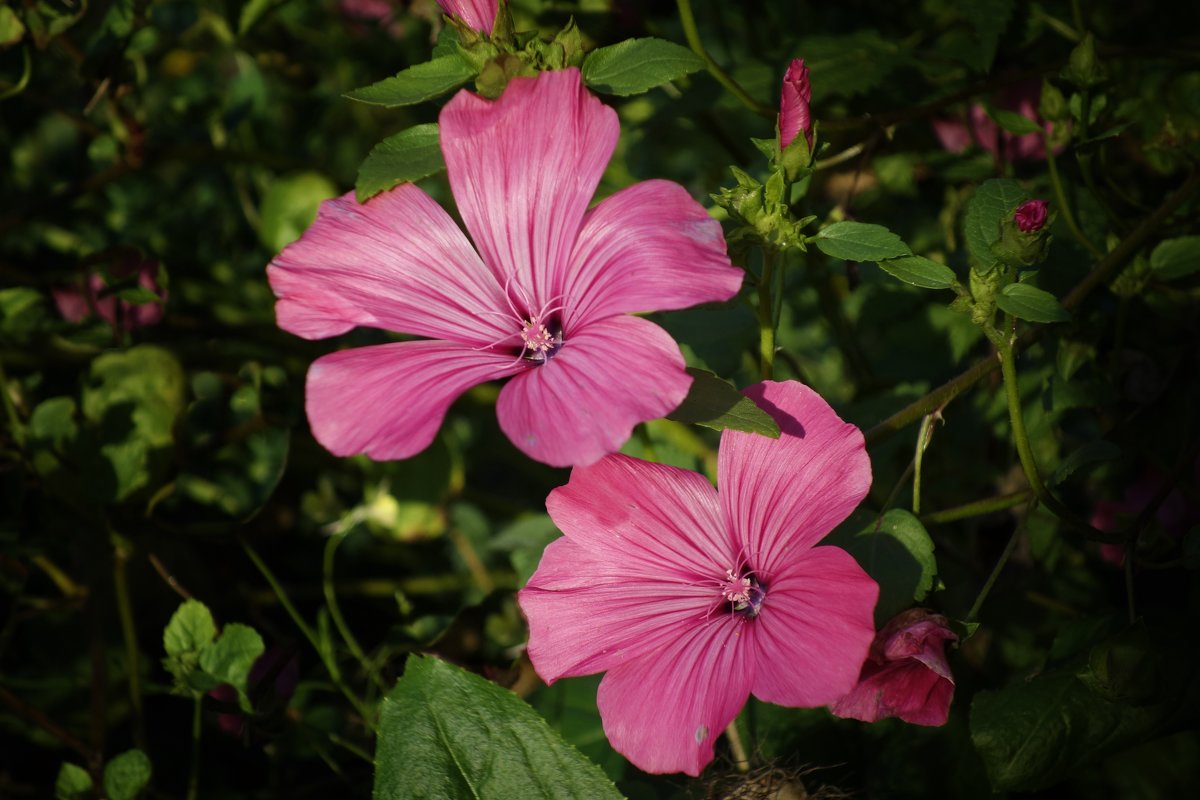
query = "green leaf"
x=230 y=658
x=986 y=210
x=417 y=83
x=638 y=65
x=919 y=271
x=847 y=65
x=252 y=12
x=444 y=732
x=126 y=775
x=1091 y=453
x=897 y=552
x=860 y=241
x=1176 y=258
x=290 y=205
x=73 y=783
x=1029 y=303
x=22 y=312
x=409 y=155
x=525 y=540
x=990 y=19
x=190 y=630
x=11 y=29
x=1013 y=122
x=715 y=404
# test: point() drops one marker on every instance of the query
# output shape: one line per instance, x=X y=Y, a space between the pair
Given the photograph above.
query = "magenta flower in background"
x=906 y=675
x=1022 y=98
x=691 y=600
x=1030 y=216
x=794 y=113
x=544 y=297
x=77 y=304
x=479 y=14
x=1175 y=515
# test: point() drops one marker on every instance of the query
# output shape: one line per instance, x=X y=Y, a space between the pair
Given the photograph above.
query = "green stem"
x=326 y=657
x=1008 y=367
x=335 y=612
x=193 y=789
x=1065 y=207
x=998 y=568
x=740 y=760
x=978 y=508
x=129 y=634
x=766 y=317
x=924 y=435
x=692 y=34
x=14 y=419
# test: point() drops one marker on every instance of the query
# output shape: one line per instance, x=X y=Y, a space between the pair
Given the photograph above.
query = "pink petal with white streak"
x=479 y=14
x=649 y=247
x=584 y=401
x=397 y=262
x=663 y=711
x=388 y=400
x=523 y=169
x=814 y=630
x=783 y=495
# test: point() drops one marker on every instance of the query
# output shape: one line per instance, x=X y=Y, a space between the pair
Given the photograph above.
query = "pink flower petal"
x=664 y=711
x=648 y=247
x=814 y=631
x=397 y=262
x=479 y=14
x=589 y=612
x=783 y=495
x=71 y=303
x=523 y=170
x=904 y=689
x=584 y=401
x=388 y=400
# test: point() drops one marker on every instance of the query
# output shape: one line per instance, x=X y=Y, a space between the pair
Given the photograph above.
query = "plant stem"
x=129 y=634
x=335 y=612
x=999 y=567
x=740 y=760
x=1065 y=208
x=924 y=435
x=193 y=789
x=1008 y=366
x=978 y=508
x=475 y=565
x=14 y=419
x=766 y=317
x=692 y=34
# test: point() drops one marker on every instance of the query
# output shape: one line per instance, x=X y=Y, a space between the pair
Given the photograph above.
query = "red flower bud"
x=794 y=113
x=1031 y=216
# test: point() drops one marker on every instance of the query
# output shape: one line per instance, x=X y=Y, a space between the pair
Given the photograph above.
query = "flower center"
x=540 y=339
x=744 y=593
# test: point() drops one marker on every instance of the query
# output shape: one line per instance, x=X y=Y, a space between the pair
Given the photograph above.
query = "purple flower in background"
x=906 y=675
x=77 y=304
x=1022 y=98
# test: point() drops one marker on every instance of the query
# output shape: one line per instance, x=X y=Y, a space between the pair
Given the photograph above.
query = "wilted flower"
x=906 y=675
x=545 y=296
x=794 y=113
x=479 y=14
x=691 y=600
x=77 y=304
x=1030 y=216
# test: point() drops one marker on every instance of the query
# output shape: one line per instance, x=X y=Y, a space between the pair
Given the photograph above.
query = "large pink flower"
x=544 y=296
x=907 y=675
x=691 y=599
x=479 y=14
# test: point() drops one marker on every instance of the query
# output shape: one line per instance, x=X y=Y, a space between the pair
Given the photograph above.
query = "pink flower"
x=1030 y=216
x=794 y=114
x=1175 y=515
x=545 y=296
x=1021 y=98
x=479 y=14
x=76 y=305
x=691 y=599
x=907 y=675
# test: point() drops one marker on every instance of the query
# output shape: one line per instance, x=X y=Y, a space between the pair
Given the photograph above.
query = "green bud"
x=496 y=74
x=1052 y=106
x=571 y=42
x=1083 y=69
x=1023 y=242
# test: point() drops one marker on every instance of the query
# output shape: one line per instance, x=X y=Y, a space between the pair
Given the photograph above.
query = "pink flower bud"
x=906 y=674
x=1031 y=216
x=794 y=113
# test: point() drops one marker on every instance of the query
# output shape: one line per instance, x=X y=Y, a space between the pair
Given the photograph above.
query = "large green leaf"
x=715 y=404
x=444 y=732
x=897 y=552
x=919 y=271
x=986 y=210
x=409 y=155
x=860 y=241
x=417 y=83
x=1030 y=303
x=638 y=65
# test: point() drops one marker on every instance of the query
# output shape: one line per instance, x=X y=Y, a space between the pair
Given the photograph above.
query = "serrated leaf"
x=73 y=783
x=919 y=271
x=417 y=83
x=638 y=65
x=409 y=155
x=1176 y=258
x=713 y=403
x=126 y=775
x=230 y=658
x=1031 y=304
x=897 y=552
x=444 y=732
x=190 y=630
x=860 y=241
x=985 y=211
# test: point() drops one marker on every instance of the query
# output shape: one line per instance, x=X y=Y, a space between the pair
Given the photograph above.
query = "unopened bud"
x=1030 y=216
